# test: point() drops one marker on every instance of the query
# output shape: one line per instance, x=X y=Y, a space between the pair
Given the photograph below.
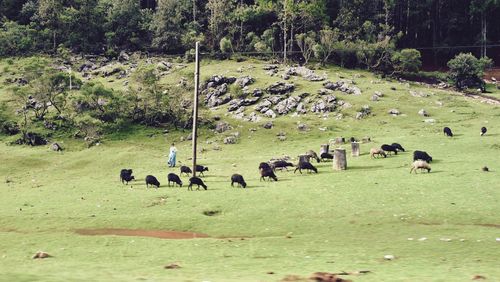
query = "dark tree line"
x=264 y=26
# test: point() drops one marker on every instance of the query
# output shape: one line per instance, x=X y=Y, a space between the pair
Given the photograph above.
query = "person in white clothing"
x=172 y=157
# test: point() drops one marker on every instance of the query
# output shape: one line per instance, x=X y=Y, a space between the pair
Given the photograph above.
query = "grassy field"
x=441 y=226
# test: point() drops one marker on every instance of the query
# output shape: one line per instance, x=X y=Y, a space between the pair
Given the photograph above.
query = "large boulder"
x=270 y=114
x=262 y=105
x=217 y=80
x=245 y=81
x=287 y=105
x=346 y=86
x=222 y=126
x=234 y=105
x=280 y=88
x=304 y=72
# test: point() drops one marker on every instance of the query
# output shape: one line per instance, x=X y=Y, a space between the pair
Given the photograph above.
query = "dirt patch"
x=142 y=233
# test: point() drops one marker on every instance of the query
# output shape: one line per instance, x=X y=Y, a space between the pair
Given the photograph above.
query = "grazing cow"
x=307 y=166
x=126 y=176
x=398 y=147
x=483 y=130
x=281 y=165
x=172 y=177
x=378 y=152
x=447 y=132
x=186 y=170
x=201 y=169
x=269 y=173
x=237 y=178
x=420 y=164
x=151 y=180
x=197 y=181
x=327 y=156
x=421 y=155
x=389 y=148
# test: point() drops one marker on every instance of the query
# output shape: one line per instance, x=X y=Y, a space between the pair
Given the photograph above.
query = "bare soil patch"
x=142 y=233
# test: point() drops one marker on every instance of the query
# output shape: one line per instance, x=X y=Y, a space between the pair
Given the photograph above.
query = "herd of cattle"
x=421 y=160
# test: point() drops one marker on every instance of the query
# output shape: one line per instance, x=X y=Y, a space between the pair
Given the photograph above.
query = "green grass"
x=332 y=221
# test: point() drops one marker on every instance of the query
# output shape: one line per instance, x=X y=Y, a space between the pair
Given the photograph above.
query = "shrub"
x=467 y=71
x=406 y=60
x=225 y=45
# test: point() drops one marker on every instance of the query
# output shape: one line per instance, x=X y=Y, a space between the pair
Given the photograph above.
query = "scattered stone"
x=222 y=126
x=394 y=112
x=257 y=92
x=393 y=88
x=345 y=86
x=302 y=127
x=287 y=105
x=230 y=140
x=244 y=81
x=253 y=117
x=324 y=91
x=250 y=101
x=389 y=257
x=263 y=105
x=41 y=255
x=268 y=125
x=189 y=137
x=375 y=98
x=282 y=138
x=301 y=108
x=270 y=114
x=322 y=277
x=280 y=88
x=304 y=72
x=270 y=67
x=478 y=277
x=235 y=105
x=423 y=113
x=486 y=169
x=123 y=57
x=429 y=120
x=418 y=94
x=164 y=66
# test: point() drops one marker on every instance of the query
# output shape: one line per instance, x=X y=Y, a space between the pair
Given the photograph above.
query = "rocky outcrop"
x=287 y=105
x=345 y=86
x=245 y=81
x=304 y=72
x=280 y=88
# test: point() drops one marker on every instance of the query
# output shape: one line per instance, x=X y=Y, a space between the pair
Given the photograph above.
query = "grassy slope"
x=336 y=220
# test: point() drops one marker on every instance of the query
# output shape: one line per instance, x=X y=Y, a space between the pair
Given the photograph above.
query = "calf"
x=186 y=170
x=389 y=148
x=398 y=147
x=126 y=176
x=447 y=132
x=281 y=165
x=201 y=169
x=238 y=179
x=378 y=152
x=307 y=166
x=420 y=165
x=172 y=177
x=421 y=155
x=151 y=180
x=197 y=181
x=327 y=156
x=267 y=173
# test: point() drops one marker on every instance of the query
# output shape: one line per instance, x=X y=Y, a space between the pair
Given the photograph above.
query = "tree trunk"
x=340 y=160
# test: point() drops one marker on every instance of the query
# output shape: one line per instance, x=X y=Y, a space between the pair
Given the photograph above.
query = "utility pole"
x=195 y=104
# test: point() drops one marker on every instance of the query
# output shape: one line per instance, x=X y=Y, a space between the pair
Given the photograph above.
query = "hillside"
x=439 y=226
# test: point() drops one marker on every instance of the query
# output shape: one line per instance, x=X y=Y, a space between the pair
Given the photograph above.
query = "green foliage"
x=225 y=45
x=407 y=60
x=19 y=39
x=467 y=71
x=306 y=43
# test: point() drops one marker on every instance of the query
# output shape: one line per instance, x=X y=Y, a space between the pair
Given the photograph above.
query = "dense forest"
x=327 y=30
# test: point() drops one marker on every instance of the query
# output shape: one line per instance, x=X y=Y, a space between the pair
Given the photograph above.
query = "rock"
x=394 y=112
x=253 y=117
x=360 y=115
x=189 y=137
x=280 y=88
x=423 y=113
x=270 y=67
x=56 y=147
x=287 y=105
x=234 y=105
x=418 y=94
x=343 y=85
x=270 y=114
x=262 y=105
x=41 y=255
x=164 y=66
x=282 y=138
x=268 y=125
x=111 y=70
x=172 y=266
x=429 y=120
x=217 y=80
x=275 y=99
x=244 y=81
x=123 y=57
x=304 y=72
x=230 y=140
x=378 y=93
x=375 y=98
x=393 y=88
x=389 y=257
x=222 y=126
x=285 y=76
x=339 y=116
x=324 y=91
x=250 y=101
x=257 y=92
x=301 y=108
x=302 y=127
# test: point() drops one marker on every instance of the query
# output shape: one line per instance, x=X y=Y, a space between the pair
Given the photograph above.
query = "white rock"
x=389 y=257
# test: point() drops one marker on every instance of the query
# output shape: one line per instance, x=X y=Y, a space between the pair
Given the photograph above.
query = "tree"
x=306 y=42
x=125 y=24
x=407 y=60
x=219 y=12
x=168 y=25
x=467 y=71
x=49 y=12
x=327 y=39
x=483 y=8
x=225 y=45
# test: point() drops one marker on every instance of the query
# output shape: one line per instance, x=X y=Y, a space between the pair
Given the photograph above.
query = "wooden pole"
x=284 y=33
x=355 y=149
x=195 y=104
x=340 y=160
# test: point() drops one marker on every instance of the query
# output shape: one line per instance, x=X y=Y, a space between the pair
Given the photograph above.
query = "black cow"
x=197 y=181
x=172 y=177
x=238 y=178
x=421 y=155
x=126 y=176
x=267 y=173
x=398 y=147
x=201 y=169
x=281 y=165
x=389 y=148
x=307 y=166
x=483 y=130
x=447 y=132
x=327 y=156
x=151 y=180
x=186 y=170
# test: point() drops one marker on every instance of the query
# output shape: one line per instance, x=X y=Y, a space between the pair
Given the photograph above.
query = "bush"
x=225 y=45
x=406 y=60
x=467 y=71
